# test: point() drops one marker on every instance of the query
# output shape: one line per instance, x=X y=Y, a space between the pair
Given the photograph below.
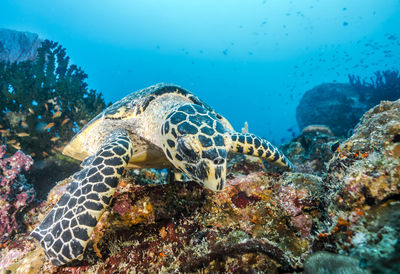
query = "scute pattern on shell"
x=137 y=102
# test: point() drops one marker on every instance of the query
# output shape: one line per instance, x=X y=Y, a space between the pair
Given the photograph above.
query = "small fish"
x=13 y=141
x=56 y=114
x=4 y=131
x=45 y=154
x=1 y=126
x=46 y=106
x=53 y=151
x=22 y=134
x=33 y=154
x=53 y=139
x=64 y=121
x=24 y=124
x=48 y=126
x=16 y=146
x=31 y=111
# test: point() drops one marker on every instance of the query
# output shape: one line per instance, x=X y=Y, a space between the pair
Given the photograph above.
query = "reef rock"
x=17 y=46
x=336 y=105
x=362 y=188
x=16 y=194
x=312 y=149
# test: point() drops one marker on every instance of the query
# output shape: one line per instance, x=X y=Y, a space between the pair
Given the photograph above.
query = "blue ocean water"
x=250 y=60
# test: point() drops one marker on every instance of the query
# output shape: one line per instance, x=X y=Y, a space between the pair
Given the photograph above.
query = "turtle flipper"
x=253 y=145
x=66 y=230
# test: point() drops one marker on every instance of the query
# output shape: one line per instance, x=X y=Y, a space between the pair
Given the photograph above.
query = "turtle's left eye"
x=188 y=151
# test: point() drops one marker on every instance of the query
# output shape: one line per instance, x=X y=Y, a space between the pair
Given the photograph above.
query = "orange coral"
x=99 y=231
x=163 y=232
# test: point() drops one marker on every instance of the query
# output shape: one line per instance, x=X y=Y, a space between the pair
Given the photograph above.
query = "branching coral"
x=384 y=86
x=44 y=102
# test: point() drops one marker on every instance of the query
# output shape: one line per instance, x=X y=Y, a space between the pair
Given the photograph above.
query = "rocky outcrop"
x=312 y=149
x=17 y=46
x=336 y=105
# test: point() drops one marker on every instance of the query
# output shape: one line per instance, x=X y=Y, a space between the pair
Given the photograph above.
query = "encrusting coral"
x=312 y=149
x=16 y=193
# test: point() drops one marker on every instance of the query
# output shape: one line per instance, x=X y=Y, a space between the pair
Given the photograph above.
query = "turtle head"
x=196 y=143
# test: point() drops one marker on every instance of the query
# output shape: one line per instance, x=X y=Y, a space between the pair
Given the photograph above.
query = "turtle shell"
x=136 y=114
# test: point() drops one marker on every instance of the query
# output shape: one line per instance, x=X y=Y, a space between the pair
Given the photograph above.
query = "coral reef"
x=344 y=212
x=340 y=106
x=44 y=102
x=364 y=192
x=16 y=193
x=384 y=86
x=312 y=149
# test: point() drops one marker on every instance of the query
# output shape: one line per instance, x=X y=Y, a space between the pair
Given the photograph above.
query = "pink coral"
x=294 y=200
x=122 y=207
x=15 y=192
x=304 y=223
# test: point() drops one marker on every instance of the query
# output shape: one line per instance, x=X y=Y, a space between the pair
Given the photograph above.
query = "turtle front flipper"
x=253 y=145
x=66 y=230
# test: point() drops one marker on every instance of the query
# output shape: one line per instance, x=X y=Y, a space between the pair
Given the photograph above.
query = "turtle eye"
x=187 y=150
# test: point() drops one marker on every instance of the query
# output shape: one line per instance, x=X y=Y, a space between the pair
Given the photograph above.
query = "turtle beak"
x=209 y=174
x=216 y=177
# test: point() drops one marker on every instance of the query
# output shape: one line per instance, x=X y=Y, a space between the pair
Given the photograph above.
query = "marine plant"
x=44 y=102
x=385 y=85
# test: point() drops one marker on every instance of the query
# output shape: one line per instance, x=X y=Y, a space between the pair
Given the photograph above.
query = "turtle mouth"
x=210 y=175
x=215 y=184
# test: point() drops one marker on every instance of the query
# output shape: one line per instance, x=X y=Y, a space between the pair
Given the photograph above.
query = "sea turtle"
x=162 y=126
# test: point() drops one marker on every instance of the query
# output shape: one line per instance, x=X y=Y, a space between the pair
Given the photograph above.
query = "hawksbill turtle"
x=162 y=126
